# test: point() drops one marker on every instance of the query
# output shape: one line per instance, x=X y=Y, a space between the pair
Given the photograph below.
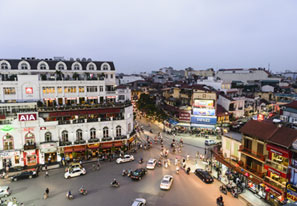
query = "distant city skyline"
x=141 y=36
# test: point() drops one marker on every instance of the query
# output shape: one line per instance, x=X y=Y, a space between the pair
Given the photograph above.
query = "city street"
x=187 y=190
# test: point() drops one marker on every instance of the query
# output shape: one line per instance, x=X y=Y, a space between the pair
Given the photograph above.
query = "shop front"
x=93 y=149
x=48 y=153
x=273 y=195
x=9 y=159
x=31 y=157
x=74 y=152
x=291 y=193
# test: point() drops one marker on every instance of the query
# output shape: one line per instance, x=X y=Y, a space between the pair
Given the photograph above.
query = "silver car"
x=4 y=191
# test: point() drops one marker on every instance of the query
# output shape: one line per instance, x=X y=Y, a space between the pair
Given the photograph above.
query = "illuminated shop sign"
x=203 y=103
x=185 y=116
x=27 y=117
x=291 y=192
x=29 y=90
x=204 y=112
x=203 y=120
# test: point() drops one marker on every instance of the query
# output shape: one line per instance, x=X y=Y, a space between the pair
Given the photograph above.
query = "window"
x=60 y=90
x=105 y=132
x=65 y=136
x=70 y=89
x=118 y=131
x=78 y=134
x=61 y=67
x=106 y=76
x=48 y=90
x=9 y=90
x=111 y=76
x=24 y=66
x=101 y=88
x=29 y=138
x=76 y=67
x=4 y=66
x=81 y=89
x=129 y=127
x=105 y=67
x=8 y=142
x=42 y=66
x=91 y=67
x=48 y=137
x=93 y=133
x=121 y=97
x=92 y=88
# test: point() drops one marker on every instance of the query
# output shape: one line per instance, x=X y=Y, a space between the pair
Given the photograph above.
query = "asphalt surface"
x=187 y=190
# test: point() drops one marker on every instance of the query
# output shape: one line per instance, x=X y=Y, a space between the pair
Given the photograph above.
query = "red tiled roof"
x=259 y=129
x=284 y=137
x=221 y=111
x=291 y=105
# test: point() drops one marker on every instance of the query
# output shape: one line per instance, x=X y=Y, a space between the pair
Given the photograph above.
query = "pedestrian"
x=47 y=191
x=188 y=157
x=168 y=160
x=175 y=161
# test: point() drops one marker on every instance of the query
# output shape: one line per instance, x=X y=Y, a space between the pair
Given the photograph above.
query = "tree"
x=75 y=76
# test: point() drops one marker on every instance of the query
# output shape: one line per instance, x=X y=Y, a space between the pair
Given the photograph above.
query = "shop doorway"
x=50 y=157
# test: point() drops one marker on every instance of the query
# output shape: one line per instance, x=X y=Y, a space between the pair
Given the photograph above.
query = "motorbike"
x=229 y=187
x=159 y=163
x=234 y=193
x=115 y=184
x=83 y=191
x=188 y=170
x=69 y=196
x=124 y=173
x=129 y=173
x=220 y=203
x=140 y=161
x=223 y=189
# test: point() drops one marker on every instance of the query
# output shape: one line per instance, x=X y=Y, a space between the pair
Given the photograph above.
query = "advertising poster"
x=203 y=103
x=203 y=120
x=204 y=112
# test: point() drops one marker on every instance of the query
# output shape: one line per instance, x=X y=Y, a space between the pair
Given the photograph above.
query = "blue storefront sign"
x=203 y=120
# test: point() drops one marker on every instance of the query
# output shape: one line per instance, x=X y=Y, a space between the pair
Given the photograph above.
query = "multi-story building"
x=54 y=109
x=234 y=106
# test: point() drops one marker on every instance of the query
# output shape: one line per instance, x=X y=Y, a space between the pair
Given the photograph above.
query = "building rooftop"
x=234 y=135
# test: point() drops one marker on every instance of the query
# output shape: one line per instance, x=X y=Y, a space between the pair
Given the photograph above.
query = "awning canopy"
x=183 y=124
x=204 y=126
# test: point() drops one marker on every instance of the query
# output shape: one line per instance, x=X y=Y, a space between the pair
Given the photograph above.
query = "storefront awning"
x=117 y=144
x=182 y=124
x=204 y=126
x=93 y=146
x=79 y=148
x=106 y=145
x=68 y=149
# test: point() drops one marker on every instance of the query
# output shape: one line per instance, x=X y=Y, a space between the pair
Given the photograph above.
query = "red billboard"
x=27 y=117
x=184 y=116
x=29 y=90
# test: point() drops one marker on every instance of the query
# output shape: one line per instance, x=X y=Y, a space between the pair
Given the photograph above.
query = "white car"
x=77 y=171
x=4 y=191
x=209 y=142
x=126 y=158
x=139 y=202
x=151 y=163
x=166 y=182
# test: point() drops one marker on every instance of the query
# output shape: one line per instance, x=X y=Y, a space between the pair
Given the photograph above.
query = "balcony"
x=93 y=140
x=106 y=139
x=260 y=174
x=65 y=143
x=62 y=122
x=252 y=153
x=80 y=141
x=276 y=183
x=78 y=121
x=110 y=92
x=120 y=137
x=280 y=167
x=29 y=146
x=92 y=120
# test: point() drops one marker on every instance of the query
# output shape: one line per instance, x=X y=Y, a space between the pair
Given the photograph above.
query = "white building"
x=230 y=145
x=219 y=85
x=125 y=79
x=234 y=106
x=52 y=109
x=244 y=75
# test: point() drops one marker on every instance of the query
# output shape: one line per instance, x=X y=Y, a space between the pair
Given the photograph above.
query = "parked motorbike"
x=234 y=193
x=83 y=191
x=69 y=196
x=116 y=185
x=223 y=189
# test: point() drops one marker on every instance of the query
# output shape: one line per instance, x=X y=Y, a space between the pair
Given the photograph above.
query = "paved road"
x=187 y=190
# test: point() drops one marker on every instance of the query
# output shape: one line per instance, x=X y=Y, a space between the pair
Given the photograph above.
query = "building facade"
x=54 y=109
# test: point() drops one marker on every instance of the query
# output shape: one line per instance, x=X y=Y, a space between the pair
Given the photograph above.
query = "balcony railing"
x=65 y=143
x=93 y=140
x=29 y=146
x=80 y=141
x=120 y=137
x=251 y=153
x=106 y=139
x=254 y=171
x=280 y=167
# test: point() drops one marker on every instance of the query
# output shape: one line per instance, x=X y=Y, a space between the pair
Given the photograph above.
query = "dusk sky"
x=140 y=35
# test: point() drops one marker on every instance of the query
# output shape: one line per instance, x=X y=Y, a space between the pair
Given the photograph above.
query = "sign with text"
x=29 y=90
x=27 y=117
x=203 y=103
x=185 y=116
x=203 y=120
x=204 y=112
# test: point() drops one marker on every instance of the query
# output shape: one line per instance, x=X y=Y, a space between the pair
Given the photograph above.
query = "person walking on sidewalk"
x=188 y=157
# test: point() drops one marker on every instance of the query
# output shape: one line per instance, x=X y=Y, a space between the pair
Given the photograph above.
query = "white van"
x=209 y=142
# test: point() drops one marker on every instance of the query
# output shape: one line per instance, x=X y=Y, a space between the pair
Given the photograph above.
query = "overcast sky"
x=145 y=35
